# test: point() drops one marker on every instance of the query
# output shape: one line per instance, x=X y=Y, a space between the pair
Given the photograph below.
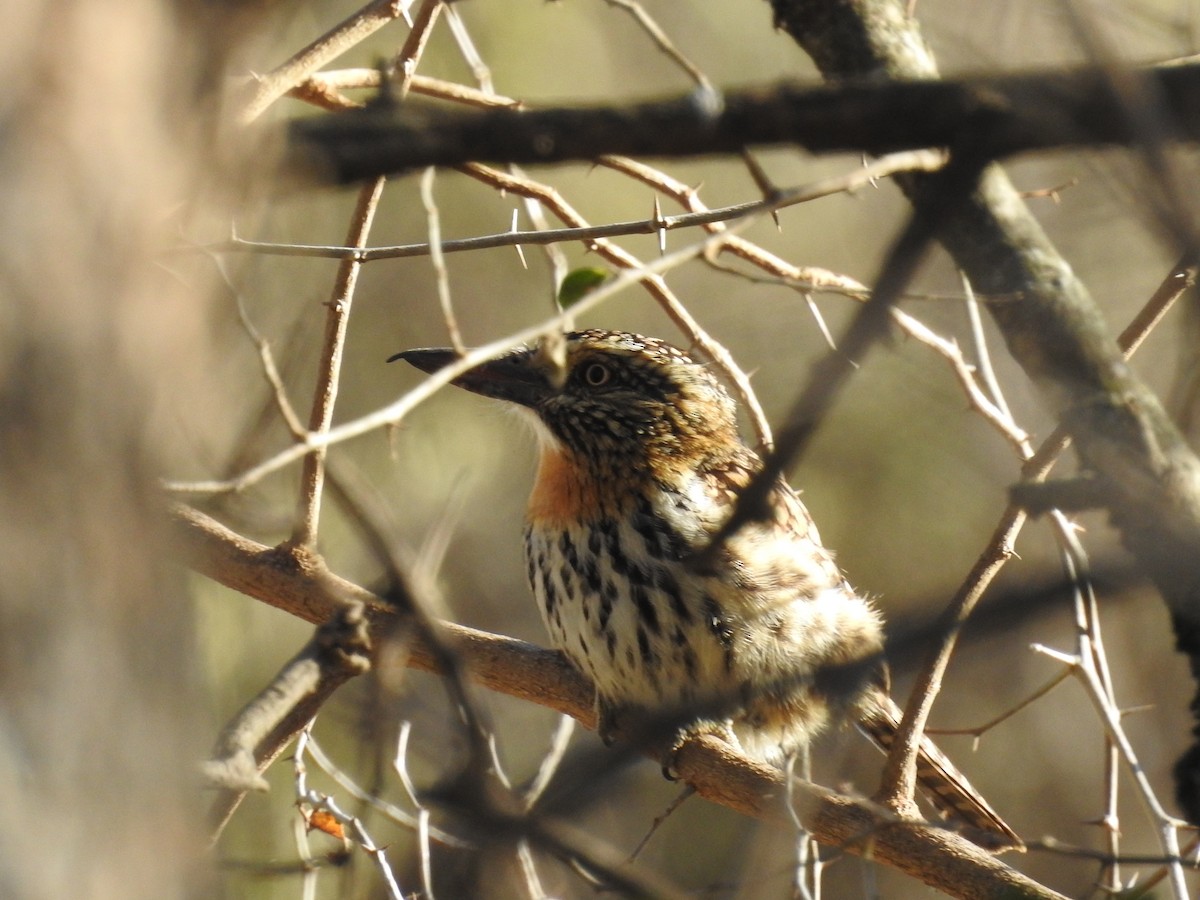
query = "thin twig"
x=976 y=731
x=994 y=412
x=1111 y=718
x=466 y=46
x=352 y=826
x=533 y=884
x=808 y=854
x=308 y=885
x=813 y=278
x=1058 y=848
x=1189 y=859
x=1179 y=280
x=551 y=760
x=810 y=277
x=555 y=255
x=830 y=373
x=265 y=357
x=337 y=320
x=414 y=45
x=383 y=807
x=646 y=22
x=1089 y=644
x=442 y=277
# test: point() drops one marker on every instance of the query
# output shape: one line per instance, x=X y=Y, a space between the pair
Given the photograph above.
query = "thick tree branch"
x=288 y=579
x=1027 y=111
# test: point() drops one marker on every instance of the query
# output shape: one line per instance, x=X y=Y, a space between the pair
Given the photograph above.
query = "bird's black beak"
x=516 y=377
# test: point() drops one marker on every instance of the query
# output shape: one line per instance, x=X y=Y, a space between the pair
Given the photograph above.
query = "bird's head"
x=620 y=400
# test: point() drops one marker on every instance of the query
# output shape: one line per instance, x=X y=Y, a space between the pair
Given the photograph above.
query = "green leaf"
x=579 y=283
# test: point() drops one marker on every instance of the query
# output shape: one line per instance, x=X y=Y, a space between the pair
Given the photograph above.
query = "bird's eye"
x=597 y=374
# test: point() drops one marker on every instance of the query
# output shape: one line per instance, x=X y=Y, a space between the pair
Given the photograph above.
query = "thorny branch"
x=829 y=374
x=312 y=802
x=814 y=279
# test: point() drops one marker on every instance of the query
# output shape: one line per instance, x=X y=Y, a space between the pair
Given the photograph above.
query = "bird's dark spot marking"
x=662 y=542
x=549 y=594
x=607 y=598
x=640 y=576
x=616 y=555
x=689 y=662
x=647 y=614
x=567 y=548
x=589 y=574
x=570 y=581
x=666 y=583
x=621 y=562
x=595 y=538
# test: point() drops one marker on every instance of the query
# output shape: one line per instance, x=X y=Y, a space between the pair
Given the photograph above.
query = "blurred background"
x=905 y=481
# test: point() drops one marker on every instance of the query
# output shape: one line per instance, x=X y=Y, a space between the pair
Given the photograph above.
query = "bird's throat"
x=566 y=494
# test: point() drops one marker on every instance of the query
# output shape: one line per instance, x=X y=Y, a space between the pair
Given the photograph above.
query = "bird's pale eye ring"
x=596 y=374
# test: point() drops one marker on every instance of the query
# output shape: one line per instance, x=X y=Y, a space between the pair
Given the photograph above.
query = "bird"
x=760 y=639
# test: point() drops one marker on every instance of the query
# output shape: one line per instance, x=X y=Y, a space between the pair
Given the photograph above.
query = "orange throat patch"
x=563 y=493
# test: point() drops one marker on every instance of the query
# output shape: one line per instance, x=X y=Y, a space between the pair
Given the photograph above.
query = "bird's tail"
x=946 y=787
